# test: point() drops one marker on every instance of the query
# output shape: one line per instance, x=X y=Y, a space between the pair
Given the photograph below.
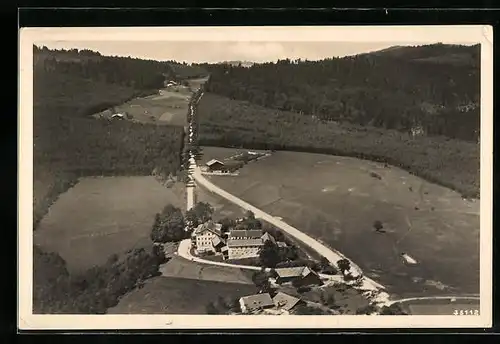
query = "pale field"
x=170 y=107
x=170 y=295
x=336 y=200
x=101 y=216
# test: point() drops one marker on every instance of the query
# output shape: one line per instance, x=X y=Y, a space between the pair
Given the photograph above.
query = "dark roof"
x=243 y=233
x=244 y=242
x=214 y=161
x=285 y=301
x=257 y=301
x=266 y=236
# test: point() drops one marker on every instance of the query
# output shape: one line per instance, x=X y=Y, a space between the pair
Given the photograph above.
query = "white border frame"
x=392 y=34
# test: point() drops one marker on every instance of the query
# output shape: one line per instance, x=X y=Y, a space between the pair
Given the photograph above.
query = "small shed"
x=215 y=165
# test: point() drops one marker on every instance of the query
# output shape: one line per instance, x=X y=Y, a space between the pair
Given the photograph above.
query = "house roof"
x=208 y=226
x=266 y=236
x=243 y=233
x=285 y=301
x=244 y=242
x=293 y=272
x=257 y=301
x=214 y=161
x=217 y=240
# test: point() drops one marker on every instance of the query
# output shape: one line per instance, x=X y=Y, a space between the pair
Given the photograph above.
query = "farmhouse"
x=204 y=234
x=244 y=248
x=300 y=276
x=285 y=301
x=256 y=302
x=215 y=165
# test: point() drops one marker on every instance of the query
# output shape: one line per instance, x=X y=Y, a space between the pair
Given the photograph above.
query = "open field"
x=100 y=216
x=170 y=106
x=441 y=307
x=169 y=295
x=181 y=268
x=337 y=199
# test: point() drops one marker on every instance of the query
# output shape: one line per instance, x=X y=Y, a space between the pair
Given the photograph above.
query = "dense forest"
x=431 y=90
x=68 y=87
x=231 y=123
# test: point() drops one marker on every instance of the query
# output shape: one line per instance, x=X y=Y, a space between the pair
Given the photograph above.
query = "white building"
x=244 y=243
x=204 y=234
x=244 y=248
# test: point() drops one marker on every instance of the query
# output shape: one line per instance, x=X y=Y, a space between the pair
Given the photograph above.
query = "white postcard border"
x=394 y=34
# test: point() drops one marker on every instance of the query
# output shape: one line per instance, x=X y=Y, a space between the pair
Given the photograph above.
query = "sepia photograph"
x=255 y=177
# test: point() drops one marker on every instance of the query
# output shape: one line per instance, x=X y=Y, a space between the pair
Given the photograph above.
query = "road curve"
x=184 y=252
x=328 y=253
x=433 y=298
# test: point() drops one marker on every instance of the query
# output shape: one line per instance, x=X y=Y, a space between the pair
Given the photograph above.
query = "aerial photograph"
x=256 y=178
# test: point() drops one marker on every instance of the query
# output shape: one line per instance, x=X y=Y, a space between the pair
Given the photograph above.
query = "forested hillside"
x=68 y=87
x=233 y=123
x=430 y=90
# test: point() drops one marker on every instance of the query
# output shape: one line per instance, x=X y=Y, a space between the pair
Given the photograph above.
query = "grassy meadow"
x=169 y=295
x=168 y=107
x=337 y=199
x=101 y=216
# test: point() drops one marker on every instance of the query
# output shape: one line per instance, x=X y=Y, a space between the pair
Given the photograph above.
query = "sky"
x=217 y=51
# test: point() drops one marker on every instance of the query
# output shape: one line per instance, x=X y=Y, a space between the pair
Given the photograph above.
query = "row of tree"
x=425 y=89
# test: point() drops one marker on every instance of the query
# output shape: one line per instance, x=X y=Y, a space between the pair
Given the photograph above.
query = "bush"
x=394 y=309
x=303 y=289
x=369 y=309
x=92 y=291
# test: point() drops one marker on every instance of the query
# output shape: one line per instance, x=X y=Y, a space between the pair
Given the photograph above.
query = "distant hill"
x=425 y=90
x=459 y=55
x=183 y=71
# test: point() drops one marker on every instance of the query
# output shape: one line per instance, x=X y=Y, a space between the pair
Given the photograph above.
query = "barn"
x=215 y=165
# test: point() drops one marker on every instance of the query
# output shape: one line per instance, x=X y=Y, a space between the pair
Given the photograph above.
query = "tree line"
x=432 y=89
x=124 y=71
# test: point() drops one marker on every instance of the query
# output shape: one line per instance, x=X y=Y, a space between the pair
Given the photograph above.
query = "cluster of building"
x=281 y=303
x=231 y=244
